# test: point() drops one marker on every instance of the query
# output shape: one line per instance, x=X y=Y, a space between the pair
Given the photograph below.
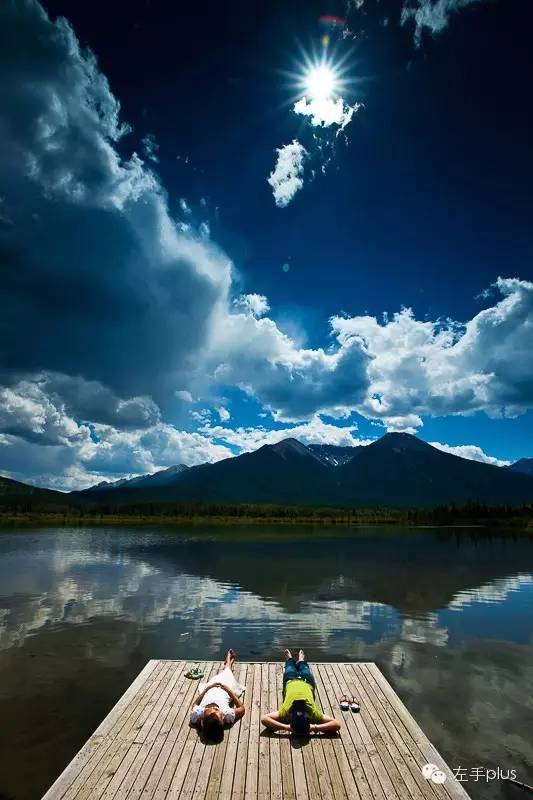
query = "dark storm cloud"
x=95 y=280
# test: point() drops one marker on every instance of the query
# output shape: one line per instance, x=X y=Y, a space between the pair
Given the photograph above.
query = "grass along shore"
x=248 y=514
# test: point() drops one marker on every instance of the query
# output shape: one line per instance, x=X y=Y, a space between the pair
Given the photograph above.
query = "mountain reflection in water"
x=447 y=616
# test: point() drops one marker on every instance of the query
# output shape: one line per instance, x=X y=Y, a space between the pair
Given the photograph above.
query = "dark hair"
x=212 y=728
x=300 y=723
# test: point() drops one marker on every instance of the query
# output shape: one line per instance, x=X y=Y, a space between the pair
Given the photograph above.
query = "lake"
x=446 y=614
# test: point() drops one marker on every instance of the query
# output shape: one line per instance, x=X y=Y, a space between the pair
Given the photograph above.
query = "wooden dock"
x=146 y=749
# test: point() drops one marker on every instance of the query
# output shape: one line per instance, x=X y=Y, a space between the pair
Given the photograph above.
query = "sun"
x=321 y=78
x=320 y=81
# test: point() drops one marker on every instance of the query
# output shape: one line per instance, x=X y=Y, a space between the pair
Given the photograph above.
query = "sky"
x=224 y=225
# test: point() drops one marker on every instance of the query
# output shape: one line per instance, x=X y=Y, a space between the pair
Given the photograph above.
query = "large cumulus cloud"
x=96 y=278
x=293 y=382
x=41 y=442
x=437 y=368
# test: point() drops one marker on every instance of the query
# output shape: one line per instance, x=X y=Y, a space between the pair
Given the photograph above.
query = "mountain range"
x=398 y=470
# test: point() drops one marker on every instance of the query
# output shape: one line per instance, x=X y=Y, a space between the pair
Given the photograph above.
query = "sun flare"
x=320 y=82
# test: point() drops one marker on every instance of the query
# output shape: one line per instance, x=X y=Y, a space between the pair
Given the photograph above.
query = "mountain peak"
x=290 y=446
x=403 y=441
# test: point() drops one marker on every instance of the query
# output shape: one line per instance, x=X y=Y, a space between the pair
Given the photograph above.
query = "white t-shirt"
x=218 y=696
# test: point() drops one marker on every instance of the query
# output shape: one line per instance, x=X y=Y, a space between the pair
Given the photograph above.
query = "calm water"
x=448 y=617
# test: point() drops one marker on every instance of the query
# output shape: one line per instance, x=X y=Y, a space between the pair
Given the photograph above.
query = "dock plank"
x=274 y=743
x=251 y=791
x=145 y=748
x=240 y=766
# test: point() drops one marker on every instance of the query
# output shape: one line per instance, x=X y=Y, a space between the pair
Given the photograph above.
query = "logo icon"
x=432 y=773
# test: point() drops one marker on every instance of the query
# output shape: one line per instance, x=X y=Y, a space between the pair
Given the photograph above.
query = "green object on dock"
x=195 y=673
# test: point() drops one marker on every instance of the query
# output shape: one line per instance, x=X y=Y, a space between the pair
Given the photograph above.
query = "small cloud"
x=348 y=34
x=254 y=304
x=470 y=451
x=223 y=413
x=287 y=177
x=327 y=111
x=205 y=230
x=184 y=207
x=150 y=148
x=183 y=394
x=487 y=293
x=431 y=14
x=203 y=415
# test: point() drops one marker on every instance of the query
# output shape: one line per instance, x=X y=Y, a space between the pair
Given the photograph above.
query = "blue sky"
x=191 y=267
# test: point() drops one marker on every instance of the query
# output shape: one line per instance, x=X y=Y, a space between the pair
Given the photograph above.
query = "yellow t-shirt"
x=298 y=689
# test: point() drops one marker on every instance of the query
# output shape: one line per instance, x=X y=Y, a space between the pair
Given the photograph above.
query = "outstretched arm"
x=272 y=721
x=328 y=725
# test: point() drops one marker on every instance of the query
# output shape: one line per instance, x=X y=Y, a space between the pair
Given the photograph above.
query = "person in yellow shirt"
x=299 y=712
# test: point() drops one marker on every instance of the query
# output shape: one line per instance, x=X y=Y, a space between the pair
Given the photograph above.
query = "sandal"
x=194 y=673
x=344 y=703
x=354 y=705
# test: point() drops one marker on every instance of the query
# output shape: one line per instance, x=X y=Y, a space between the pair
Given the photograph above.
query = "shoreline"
x=9 y=520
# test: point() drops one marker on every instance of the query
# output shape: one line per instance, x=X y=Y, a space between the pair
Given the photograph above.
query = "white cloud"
x=25 y=410
x=254 y=304
x=316 y=431
x=419 y=368
x=183 y=394
x=287 y=176
x=294 y=383
x=223 y=413
x=408 y=423
x=202 y=415
x=431 y=14
x=326 y=111
x=470 y=451
x=84 y=458
x=150 y=148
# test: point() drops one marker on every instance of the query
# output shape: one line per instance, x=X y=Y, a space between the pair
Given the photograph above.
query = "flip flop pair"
x=194 y=673
x=347 y=705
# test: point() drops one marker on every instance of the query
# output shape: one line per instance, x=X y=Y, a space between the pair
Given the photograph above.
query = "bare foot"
x=287 y=654
x=231 y=655
x=301 y=655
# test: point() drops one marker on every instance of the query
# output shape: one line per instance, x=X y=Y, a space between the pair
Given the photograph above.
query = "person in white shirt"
x=218 y=703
